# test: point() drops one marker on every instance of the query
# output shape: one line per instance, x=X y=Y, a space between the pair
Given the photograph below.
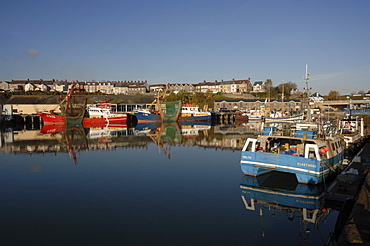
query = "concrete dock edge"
x=357 y=228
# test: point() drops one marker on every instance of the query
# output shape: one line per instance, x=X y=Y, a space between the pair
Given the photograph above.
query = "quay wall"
x=357 y=228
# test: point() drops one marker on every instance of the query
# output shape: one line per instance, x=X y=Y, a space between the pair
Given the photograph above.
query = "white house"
x=259 y=86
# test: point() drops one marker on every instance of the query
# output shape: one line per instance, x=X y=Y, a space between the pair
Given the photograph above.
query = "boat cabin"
x=288 y=140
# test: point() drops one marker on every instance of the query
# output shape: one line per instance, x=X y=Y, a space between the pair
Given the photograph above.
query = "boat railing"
x=289 y=132
x=312 y=151
x=250 y=145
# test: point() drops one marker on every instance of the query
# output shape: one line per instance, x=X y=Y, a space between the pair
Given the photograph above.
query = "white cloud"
x=32 y=52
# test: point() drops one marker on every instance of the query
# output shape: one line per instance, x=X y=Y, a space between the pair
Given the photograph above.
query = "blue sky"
x=188 y=41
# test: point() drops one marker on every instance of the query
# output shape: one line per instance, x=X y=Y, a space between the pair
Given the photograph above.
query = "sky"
x=190 y=41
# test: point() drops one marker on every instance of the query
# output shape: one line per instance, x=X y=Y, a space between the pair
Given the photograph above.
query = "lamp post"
x=365 y=98
x=349 y=105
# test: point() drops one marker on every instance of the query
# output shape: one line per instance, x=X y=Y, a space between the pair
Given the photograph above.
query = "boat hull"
x=196 y=118
x=170 y=111
x=95 y=122
x=143 y=117
x=281 y=119
x=55 y=119
x=308 y=171
x=51 y=118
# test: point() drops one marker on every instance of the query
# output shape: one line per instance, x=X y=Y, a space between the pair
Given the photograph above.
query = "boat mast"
x=307 y=89
x=282 y=99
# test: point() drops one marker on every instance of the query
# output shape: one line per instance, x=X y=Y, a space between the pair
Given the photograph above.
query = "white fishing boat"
x=287 y=118
x=352 y=129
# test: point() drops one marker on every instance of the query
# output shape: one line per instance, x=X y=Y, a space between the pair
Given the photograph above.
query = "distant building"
x=316 y=98
x=17 y=85
x=213 y=87
x=133 y=87
x=295 y=91
x=257 y=104
x=115 y=87
x=157 y=88
x=259 y=86
x=236 y=86
x=176 y=88
x=4 y=86
x=120 y=88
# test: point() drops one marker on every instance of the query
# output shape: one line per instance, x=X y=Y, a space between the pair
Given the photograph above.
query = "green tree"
x=288 y=87
x=268 y=84
x=333 y=95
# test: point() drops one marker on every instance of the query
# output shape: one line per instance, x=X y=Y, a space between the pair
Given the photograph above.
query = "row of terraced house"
x=133 y=87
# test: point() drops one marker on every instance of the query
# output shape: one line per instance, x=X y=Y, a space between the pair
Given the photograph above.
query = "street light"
x=349 y=105
x=365 y=98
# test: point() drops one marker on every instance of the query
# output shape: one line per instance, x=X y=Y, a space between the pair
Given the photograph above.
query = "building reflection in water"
x=72 y=139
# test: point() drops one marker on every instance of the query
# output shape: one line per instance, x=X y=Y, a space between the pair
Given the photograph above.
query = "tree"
x=268 y=84
x=288 y=87
x=333 y=95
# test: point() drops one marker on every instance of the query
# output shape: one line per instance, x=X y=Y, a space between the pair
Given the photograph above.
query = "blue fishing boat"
x=159 y=111
x=162 y=112
x=312 y=153
x=147 y=115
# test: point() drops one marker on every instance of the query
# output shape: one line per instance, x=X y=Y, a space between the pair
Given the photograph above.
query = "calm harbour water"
x=136 y=195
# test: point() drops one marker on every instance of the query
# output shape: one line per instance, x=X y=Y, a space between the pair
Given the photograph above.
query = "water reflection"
x=73 y=139
x=279 y=194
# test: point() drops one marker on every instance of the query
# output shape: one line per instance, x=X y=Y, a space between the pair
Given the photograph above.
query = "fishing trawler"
x=159 y=111
x=310 y=154
x=190 y=112
x=101 y=114
x=72 y=110
x=164 y=112
x=308 y=150
x=352 y=129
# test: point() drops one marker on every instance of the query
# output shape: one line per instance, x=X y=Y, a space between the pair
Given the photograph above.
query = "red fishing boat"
x=74 y=108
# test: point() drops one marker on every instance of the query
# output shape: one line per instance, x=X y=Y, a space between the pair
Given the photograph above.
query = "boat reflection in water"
x=190 y=129
x=75 y=137
x=166 y=134
x=142 y=129
x=280 y=193
x=163 y=134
